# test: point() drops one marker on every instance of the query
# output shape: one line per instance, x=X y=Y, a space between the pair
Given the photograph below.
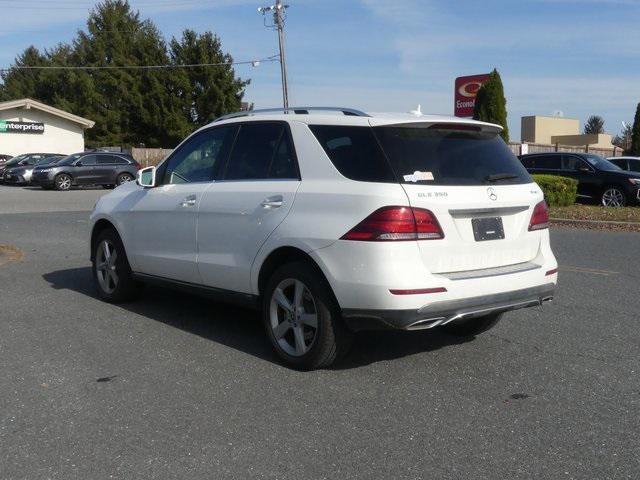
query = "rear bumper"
x=441 y=313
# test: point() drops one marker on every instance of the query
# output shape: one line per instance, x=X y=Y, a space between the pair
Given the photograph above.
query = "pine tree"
x=491 y=106
x=594 y=125
x=211 y=91
x=635 y=136
x=157 y=107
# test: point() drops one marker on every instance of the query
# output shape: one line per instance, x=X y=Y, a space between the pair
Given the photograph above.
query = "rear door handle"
x=272 y=202
x=189 y=201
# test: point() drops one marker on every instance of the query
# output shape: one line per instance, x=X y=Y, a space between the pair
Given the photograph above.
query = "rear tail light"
x=389 y=224
x=540 y=217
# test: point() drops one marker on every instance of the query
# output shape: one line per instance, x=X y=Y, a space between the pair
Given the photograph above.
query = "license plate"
x=489 y=228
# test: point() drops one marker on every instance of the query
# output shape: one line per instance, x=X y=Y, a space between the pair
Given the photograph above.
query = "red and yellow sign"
x=466 y=89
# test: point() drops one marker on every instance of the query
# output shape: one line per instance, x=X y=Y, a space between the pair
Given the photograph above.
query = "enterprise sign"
x=8 y=126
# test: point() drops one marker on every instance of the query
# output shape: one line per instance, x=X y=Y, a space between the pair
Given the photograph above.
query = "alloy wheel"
x=124 y=178
x=613 y=197
x=106 y=258
x=63 y=182
x=293 y=317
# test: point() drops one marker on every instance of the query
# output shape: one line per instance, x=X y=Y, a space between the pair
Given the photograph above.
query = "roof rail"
x=294 y=110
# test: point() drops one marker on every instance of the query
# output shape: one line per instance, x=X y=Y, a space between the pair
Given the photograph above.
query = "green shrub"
x=558 y=191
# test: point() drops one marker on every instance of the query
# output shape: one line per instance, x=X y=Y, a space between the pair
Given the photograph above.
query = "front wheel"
x=302 y=318
x=471 y=327
x=63 y=182
x=111 y=270
x=613 y=197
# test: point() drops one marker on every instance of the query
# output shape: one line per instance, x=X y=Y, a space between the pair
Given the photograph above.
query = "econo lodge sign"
x=466 y=89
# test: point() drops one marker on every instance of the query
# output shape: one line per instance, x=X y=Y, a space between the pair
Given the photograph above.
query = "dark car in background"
x=87 y=168
x=597 y=177
x=11 y=171
x=630 y=164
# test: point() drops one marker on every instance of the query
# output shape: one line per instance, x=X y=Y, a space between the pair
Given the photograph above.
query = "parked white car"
x=333 y=221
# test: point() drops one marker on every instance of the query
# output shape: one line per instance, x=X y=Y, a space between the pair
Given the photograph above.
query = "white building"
x=27 y=126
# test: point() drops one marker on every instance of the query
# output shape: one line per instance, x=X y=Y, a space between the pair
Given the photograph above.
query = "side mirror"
x=147 y=177
x=78 y=164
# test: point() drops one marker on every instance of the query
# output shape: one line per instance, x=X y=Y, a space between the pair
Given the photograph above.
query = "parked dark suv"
x=597 y=177
x=88 y=168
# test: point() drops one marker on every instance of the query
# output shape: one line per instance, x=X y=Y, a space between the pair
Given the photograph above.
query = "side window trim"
x=287 y=131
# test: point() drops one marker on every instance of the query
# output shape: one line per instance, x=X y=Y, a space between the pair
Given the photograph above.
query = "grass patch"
x=596 y=212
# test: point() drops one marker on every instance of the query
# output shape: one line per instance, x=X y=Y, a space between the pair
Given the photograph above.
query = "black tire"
x=472 y=326
x=331 y=340
x=63 y=182
x=124 y=178
x=126 y=287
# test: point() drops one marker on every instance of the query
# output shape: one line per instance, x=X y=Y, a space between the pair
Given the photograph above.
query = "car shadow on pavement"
x=241 y=329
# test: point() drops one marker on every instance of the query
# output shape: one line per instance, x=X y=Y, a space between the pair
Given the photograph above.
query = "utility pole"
x=278 y=24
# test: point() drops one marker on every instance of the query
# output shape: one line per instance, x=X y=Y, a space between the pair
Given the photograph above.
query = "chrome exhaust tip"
x=426 y=323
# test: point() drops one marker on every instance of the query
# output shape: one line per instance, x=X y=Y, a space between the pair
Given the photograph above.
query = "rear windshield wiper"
x=499 y=176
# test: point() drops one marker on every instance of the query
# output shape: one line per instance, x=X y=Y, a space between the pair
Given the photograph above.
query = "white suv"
x=332 y=221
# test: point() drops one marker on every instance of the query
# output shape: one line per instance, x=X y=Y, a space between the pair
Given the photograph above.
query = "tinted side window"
x=634 y=165
x=88 y=160
x=261 y=151
x=572 y=163
x=119 y=160
x=528 y=162
x=33 y=159
x=355 y=152
x=105 y=159
x=621 y=162
x=284 y=163
x=198 y=159
x=548 y=162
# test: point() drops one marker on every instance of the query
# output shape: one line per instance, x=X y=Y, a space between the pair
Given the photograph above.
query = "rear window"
x=427 y=156
x=434 y=156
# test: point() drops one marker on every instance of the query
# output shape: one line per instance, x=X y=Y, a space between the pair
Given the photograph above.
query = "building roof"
x=28 y=103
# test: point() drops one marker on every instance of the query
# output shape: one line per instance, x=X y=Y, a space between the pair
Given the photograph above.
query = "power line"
x=255 y=63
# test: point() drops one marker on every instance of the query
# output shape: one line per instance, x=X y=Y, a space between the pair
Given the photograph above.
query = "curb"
x=595 y=222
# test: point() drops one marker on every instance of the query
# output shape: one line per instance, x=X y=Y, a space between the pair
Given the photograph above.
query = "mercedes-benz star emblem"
x=492 y=193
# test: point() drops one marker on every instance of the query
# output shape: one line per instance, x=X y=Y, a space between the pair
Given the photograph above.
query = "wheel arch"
x=282 y=255
x=98 y=227
x=65 y=172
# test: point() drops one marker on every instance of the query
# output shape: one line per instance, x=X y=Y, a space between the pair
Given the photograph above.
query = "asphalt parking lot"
x=174 y=386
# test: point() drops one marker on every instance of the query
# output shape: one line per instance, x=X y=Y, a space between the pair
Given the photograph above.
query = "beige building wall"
x=538 y=129
x=60 y=135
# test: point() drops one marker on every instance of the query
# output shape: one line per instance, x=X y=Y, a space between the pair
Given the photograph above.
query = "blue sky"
x=581 y=57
